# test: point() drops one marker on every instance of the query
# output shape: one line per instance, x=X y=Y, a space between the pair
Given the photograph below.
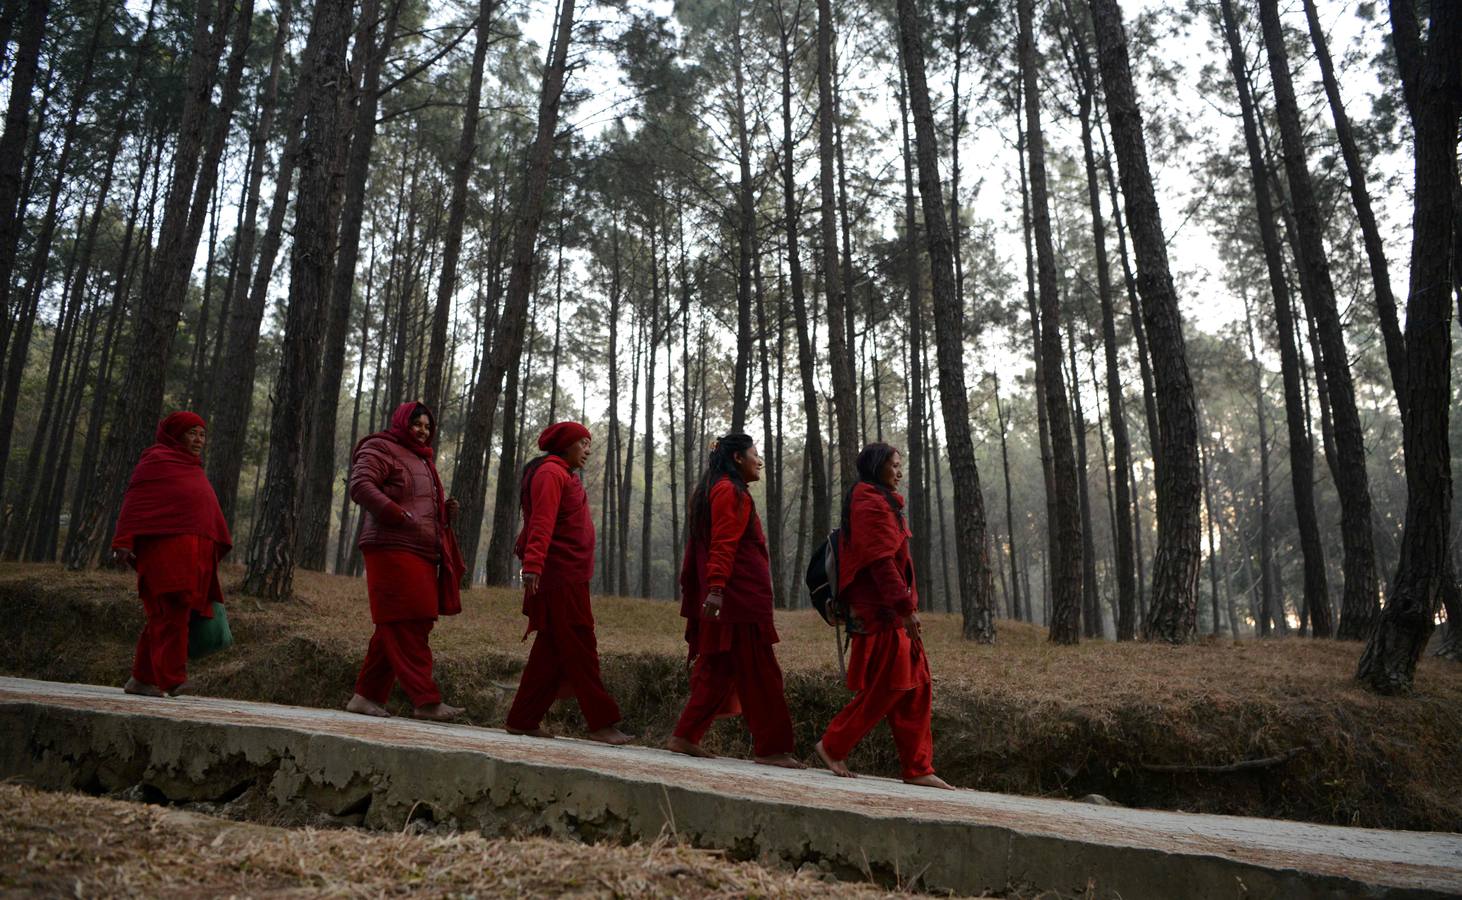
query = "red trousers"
x=564 y=662
x=881 y=663
x=161 y=659
x=399 y=652
x=746 y=672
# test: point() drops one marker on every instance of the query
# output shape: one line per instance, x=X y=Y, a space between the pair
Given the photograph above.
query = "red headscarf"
x=169 y=493
x=560 y=436
x=400 y=432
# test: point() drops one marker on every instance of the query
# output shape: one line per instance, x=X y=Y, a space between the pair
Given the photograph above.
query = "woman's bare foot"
x=611 y=735
x=133 y=686
x=930 y=780
x=437 y=712
x=836 y=766
x=185 y=688
x=359 y=704
x=781 y=761
x=681 y=745
x=539 y=732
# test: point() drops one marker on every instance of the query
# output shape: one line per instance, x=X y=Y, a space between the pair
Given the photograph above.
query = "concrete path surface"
x=381 y=773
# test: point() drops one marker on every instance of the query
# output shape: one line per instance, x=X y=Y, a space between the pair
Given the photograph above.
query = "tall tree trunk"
x=1091 y=611
x=319 y=482
x=1273 y=606
x=1360 y=197
x=844 y=396
x=1361 y=601
x=467 y=484
x=1121 y=444
x=1173 y=613
x=806 y=361
x=13 y=141
x=342 y=540
x=647 y=510
x=269 y=571
x=745 y=227
x=1424 y=572
x=922 y=540
x=976 y=588
x=1066 y=526
x=232 y=402
x=1301 y=452
x=457 y=208
x=1000 y=414
x=202 y=133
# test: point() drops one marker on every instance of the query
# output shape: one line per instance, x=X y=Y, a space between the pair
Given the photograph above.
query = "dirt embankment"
x=1143 y=725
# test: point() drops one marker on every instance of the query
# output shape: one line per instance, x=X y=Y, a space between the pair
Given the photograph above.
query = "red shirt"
x=732 y=559
x=558 y=534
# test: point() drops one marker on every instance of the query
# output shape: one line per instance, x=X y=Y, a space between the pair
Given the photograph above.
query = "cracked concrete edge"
x=384 y=786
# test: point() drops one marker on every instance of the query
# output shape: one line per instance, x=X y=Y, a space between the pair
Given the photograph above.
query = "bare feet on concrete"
x=930 y=780
x=681 y=745
x=781 y=761
x=133 y=686
x=437 y=712
x=539 y=732
x=611 y=735
x=836 y=766
x=361 y=705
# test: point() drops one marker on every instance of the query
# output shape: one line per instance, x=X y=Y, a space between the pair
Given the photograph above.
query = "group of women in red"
x=172 y=531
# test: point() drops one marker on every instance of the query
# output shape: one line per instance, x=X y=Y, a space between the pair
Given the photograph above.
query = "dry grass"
x=83 y=846
x=1021 y=716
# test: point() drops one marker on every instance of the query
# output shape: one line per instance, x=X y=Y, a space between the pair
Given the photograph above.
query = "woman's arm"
x=371 y=470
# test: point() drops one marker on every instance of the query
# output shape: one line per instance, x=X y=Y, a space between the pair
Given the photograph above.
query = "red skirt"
x=402 y=585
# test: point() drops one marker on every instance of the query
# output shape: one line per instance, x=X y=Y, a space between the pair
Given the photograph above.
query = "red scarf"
x=449 y=577
x=878 y=532
x=169 y=492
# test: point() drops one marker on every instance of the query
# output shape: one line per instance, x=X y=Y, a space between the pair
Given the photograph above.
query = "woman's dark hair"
x=870 y=471
x=720 y=464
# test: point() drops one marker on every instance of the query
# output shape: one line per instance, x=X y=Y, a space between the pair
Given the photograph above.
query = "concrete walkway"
x=383 y=772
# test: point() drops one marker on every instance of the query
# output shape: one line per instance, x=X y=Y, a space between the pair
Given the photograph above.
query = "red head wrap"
x=401 y=427
x=171 y=429
x=560 y=436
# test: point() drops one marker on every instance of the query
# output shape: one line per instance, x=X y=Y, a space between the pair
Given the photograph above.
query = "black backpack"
x=822 y=581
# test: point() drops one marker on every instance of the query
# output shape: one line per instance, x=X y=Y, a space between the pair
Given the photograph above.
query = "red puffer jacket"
x=389 y=481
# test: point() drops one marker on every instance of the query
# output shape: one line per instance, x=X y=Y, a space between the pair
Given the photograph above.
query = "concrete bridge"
x=328 y=766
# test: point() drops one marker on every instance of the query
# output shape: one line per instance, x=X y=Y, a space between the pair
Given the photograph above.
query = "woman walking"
x=172 y=531
x=413 y=567
x=726 y=599
x=556 y=546
x=886 y=666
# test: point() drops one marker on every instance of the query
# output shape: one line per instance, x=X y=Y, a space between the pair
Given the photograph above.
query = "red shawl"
x=878 y=533
x=449 y=576
x=169 y=493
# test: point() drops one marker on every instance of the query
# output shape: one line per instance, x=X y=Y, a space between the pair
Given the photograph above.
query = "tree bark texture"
x=1173 y=613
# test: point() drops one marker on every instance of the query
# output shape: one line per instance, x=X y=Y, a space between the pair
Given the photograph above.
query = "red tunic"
x=734 y=560
x=736 y=671
x=556 y=543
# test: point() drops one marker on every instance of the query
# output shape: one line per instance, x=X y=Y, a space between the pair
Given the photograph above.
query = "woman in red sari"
x=726 y=599
x=172 y=531
x=886 y=666
x=413 y=567
x=556 y=546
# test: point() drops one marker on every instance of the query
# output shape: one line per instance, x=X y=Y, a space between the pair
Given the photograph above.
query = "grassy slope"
x=66 y=844
x=1022 y=716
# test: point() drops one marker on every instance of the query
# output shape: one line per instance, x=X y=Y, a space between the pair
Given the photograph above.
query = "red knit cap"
x=560 y=436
